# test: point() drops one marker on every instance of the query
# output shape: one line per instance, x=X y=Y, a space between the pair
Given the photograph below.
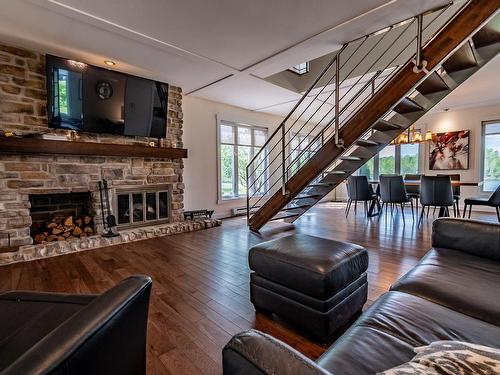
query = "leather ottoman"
x=314 y=283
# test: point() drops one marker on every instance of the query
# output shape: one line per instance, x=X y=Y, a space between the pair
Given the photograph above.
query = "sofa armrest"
x=469 y=236
x=253 y=352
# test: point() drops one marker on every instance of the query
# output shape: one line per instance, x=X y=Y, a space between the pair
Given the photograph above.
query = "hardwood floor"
x=200 y=295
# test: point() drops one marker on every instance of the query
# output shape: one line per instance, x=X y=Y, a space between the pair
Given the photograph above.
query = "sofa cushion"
x=26 y=319
x=457 y=280
x=317 y=267
x=387 y=333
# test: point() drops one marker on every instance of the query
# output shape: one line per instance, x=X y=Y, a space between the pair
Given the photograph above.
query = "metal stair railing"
x=357 y=72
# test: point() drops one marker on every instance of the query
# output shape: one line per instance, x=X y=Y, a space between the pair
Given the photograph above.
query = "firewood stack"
x=64 y=228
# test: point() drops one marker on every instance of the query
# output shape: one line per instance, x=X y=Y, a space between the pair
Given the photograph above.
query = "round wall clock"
x=104 y=90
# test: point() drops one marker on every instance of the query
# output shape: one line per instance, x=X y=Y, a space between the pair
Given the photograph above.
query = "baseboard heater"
x=240 y=211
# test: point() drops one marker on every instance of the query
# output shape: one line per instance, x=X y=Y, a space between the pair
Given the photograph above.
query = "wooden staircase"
x=465 y=43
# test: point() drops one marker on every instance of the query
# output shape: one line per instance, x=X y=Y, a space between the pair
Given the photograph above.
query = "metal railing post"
x=337 y=99
x=283 y=159
x=420 y=64
x=248 y=197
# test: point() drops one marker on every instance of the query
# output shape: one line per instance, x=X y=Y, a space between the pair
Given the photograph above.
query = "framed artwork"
x=449 y=151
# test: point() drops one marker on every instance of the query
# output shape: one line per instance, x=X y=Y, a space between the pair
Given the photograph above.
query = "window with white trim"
x=490 y=171
x=393 y=159
x=238 y=144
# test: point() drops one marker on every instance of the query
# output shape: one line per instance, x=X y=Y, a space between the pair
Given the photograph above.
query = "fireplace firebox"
x=142 y=206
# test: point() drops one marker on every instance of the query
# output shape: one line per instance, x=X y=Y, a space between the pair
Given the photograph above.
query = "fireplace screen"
x=142 y=207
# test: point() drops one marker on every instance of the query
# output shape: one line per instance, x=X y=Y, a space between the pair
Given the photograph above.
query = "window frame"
x=484 y=124
x=397 y=161
x=235 y=125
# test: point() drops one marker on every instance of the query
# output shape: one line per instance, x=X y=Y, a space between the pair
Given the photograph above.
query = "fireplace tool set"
x=108 y=219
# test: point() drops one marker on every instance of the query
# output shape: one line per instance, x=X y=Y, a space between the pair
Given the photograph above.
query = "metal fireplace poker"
x=108 y=219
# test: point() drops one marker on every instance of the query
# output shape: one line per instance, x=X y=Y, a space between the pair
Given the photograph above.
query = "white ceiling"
x=219 y=50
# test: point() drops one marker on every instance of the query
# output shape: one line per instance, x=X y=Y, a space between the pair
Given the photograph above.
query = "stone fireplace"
x=27 y=180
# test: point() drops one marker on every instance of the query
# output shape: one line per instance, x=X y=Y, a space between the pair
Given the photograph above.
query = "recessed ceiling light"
x=109 y=63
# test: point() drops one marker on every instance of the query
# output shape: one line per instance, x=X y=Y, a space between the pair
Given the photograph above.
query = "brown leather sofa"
x=453 y=293
x=49 y=333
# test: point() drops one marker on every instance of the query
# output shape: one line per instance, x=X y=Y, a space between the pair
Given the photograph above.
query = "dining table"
x=375 y=203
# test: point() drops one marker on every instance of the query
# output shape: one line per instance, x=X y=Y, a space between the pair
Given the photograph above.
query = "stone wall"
x=23 y=110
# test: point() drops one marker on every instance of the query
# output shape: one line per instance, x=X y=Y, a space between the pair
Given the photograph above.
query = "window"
x=409 y=154
x=491 y=155
x=368 y=169
x=387 y=160
x=238 y=144
x=393 y=159
x=300 y=69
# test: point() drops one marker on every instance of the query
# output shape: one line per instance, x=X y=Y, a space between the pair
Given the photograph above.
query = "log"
x=61 y=238
x=51 y=238
x=57 y=230
x=77 y=231
x=51 y=225
x=88 y=230
x=66 y=234
x=87 y=220
x=68 y=222
x=79 y=222
x=39 y=238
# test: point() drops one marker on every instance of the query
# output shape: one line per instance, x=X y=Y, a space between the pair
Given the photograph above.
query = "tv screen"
x=87 y=98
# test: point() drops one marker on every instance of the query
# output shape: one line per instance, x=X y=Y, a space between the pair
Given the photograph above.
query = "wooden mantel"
x=41 y=146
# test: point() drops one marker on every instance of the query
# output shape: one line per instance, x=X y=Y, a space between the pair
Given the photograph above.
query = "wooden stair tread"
x=407 y=106
x=433 y=83
x=366 y=143
x=295 y=207
x=298 y=197
x=462 y=59
x=320 y=184
x=336 y=172
x=350 y=158
x=383 y=126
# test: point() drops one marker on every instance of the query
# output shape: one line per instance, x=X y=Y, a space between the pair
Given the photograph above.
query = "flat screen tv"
x=87 y=98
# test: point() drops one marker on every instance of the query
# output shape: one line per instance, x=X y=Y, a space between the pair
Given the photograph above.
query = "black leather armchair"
x=53 y=333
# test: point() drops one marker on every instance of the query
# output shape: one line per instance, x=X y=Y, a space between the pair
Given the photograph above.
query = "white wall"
x=200 y=138
x=462 y=119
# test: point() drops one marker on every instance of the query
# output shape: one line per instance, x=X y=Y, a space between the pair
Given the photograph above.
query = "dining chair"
x=436 y=191
x=359 y=190
x=393 y=191
x=456 y=192
x=492 y=201
x=413 y=191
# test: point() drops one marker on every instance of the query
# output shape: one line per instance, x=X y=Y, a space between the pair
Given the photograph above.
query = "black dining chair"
x=393 y=192
x=456 y=192
x=492 y=201
x=359 y=190
x=413 y=191
x=436 y=191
